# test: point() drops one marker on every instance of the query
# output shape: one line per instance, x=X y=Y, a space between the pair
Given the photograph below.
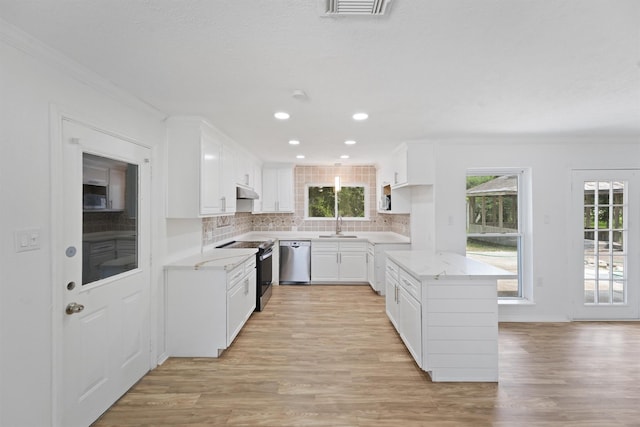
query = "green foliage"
x=322 y=202
x=351 y=202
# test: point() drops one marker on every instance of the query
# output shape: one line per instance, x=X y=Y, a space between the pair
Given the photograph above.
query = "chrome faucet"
x=338 y=224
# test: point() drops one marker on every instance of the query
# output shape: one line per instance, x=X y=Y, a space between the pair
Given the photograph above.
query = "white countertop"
x=443 y=265
x=216 y=259
x=375 y=237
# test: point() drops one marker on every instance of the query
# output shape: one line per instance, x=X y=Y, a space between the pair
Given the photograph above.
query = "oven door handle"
x=266 y=255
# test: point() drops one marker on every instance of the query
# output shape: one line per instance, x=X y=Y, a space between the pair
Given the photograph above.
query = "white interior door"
x=106 y=273
x=606 y=236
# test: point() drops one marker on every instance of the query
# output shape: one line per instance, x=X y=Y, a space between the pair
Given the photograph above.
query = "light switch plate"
x=27 y=239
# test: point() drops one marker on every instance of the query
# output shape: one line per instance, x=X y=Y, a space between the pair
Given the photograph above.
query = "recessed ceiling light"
x=300 y=156
x=350 y=142
x=360 y=116
x=294 y=142
x=281 y=115
x=344 y=156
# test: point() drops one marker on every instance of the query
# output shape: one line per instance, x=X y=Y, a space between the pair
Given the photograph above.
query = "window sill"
x=515 y=301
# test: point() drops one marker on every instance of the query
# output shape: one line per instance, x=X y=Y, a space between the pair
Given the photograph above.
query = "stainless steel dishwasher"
x=295 y=262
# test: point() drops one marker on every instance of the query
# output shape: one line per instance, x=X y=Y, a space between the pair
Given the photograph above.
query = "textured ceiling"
x=430 y=68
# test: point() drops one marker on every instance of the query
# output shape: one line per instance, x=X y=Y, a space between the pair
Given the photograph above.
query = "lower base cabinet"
x=449 y=324
x=207 y=308
x=377 y=258
x=333 y=261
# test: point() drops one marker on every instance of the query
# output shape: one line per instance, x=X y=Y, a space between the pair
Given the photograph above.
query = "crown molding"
x=15 y=37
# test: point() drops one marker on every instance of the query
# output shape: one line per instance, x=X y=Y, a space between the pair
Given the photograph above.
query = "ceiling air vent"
x=355 y=7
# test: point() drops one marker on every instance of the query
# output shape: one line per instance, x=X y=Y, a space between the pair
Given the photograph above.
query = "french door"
x=605 y=233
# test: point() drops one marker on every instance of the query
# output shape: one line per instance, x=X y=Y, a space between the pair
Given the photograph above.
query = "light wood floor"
x=328 y=356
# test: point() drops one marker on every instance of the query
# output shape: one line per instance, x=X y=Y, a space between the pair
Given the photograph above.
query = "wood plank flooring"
x=328 y=356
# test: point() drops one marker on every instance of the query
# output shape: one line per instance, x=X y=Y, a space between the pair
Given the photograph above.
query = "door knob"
x=74 y=308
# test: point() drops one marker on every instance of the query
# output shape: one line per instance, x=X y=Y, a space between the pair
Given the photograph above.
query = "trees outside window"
x=323 y=201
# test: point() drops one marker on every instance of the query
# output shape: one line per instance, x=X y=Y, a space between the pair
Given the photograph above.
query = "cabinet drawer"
x=325 y=246
x=410 y=283
x=392 y=269
x=353 y=246
x=250 y=264
x=234 y=276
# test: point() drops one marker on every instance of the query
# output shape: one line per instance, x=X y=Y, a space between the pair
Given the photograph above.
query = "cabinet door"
x=236 y=310
x=410 y=324
x=353 y=266
x=227 y=181
x=400 y=165
x=210 y=166
x=285 y=190
x=269 y=189
x=95 y=175
x=391 y=301
x=324 y=266
x=117 y=184
x=371 y=271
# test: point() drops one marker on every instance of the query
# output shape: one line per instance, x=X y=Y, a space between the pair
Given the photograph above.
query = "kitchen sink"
x=339 y=236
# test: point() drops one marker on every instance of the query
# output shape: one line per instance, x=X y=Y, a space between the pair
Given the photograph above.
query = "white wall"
x=551 y=161
x=28 y=88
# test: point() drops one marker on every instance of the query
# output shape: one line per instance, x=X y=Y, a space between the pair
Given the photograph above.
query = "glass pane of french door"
x=605 y=254
x=605 y=244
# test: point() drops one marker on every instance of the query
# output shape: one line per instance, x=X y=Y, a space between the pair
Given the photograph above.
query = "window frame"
x=343 y=185
x=523 y=236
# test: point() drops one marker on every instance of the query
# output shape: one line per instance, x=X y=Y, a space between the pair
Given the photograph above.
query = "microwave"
x=94 y=201
x=385 y=203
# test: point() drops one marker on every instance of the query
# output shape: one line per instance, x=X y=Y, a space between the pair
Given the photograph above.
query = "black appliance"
x=264 y=268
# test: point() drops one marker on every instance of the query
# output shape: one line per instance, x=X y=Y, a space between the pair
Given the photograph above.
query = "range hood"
x=246 y=193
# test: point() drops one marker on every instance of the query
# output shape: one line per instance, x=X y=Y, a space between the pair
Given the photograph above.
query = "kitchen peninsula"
x=445 y=308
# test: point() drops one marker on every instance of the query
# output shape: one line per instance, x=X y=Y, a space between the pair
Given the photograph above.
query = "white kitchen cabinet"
x=413 y=163
x=117 y=187
x=391 y=199
x=200 y=170
x=377 y=279
x=404 y=308
x=371 y=268
x=228 y=185
x=207 y=308
x=107 y=178
x=447 y=313
x=94 y=174
x=277 y=189
x=333 y=261
x=241 y=301
x=391 y=299
x=245 y=171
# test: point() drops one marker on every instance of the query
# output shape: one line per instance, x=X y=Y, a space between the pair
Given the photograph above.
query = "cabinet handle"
x=395 y=177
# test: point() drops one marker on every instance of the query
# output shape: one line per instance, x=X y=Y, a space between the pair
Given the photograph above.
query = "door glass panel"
x=109 y=219
x=604 y=250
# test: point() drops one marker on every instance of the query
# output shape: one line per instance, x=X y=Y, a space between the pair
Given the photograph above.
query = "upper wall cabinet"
x=413 y=164
x=201 y=174
x=245 y=172
x=277 y=188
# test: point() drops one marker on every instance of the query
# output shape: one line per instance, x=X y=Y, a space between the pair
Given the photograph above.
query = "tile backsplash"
x=224 y=227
